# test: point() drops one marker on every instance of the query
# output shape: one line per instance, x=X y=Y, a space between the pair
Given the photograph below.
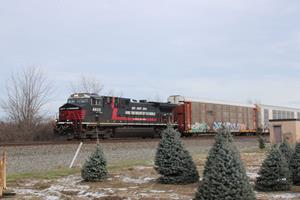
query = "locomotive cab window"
x=71 y=101
x=82 y=101
x=96 y=102
x=78 y=101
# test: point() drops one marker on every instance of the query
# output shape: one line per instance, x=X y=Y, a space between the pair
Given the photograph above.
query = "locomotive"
x=89 y=115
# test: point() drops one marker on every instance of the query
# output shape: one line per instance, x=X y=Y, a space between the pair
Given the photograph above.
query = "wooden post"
x=4 y=169
x=1 y=178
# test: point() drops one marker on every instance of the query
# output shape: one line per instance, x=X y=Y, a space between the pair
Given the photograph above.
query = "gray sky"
x=224 y=49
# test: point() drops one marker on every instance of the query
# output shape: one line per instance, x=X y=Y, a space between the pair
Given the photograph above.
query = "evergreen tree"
x=260 y=139
x=222 y=136
x=295 y=165
x=286 y=150
x=261 y=142
x=274 y=174
x=224 y=175
x=173 y=162
x=94 y=169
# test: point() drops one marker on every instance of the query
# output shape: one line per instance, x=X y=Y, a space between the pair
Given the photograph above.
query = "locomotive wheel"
x=108 y=133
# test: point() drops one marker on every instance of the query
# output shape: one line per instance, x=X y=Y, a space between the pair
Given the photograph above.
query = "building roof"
x=285 y=108
x=283 y=120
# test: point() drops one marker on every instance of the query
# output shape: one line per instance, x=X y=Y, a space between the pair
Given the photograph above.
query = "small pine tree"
x=173 y=162
x=224 y=175
x=260 y=139
x=286 y=150
x=94 y=169
x=261 y=142
x=295 y=165
x=274 y=174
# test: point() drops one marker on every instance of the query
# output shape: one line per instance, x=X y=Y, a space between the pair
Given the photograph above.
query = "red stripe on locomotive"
x=72 y=115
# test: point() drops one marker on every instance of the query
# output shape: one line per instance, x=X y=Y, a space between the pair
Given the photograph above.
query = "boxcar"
x=195 y=116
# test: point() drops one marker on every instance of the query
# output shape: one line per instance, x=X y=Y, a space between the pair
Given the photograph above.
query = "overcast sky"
x=231 y=50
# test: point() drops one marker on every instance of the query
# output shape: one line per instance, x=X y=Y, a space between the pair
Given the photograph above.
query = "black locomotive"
x=88 y=115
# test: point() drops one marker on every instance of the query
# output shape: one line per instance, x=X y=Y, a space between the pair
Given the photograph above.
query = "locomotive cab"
x=85 y=99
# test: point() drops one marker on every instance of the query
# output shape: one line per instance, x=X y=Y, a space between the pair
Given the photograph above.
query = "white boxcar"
x=269 y=112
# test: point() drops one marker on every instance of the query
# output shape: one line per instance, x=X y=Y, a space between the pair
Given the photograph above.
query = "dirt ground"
x=134 y=182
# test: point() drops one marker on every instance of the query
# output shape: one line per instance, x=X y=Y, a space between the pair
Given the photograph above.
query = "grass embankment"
x=52 y=174
x=61 y=172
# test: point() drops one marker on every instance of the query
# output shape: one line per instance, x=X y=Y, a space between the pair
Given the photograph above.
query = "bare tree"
x=87 y=84
x=27 y=92
x=111 y=92
x=157 y=98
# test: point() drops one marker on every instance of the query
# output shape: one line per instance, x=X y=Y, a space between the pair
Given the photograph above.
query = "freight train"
x=88 y=115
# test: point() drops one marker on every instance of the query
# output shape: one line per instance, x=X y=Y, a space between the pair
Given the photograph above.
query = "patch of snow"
x=56 y=188
x=286 y=196
x=52 y=198
x=38 y=193
x=278 y=195
x=133 y=187
x=140 y=180
x=142 y=167
x=93 y=194
x=110 y=190
x=157 y=191
x=252 y=175
x=30 y=183
x=144 y=194
x=54 y=192
x=174 y=196
x=148 y=179
x=122 y=189
x=253 y=168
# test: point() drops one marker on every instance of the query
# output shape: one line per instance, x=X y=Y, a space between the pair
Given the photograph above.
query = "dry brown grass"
x=10 y=132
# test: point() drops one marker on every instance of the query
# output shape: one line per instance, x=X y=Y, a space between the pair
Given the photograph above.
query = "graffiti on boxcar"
x=232 y=126
x=204 y=127
x=200 y=127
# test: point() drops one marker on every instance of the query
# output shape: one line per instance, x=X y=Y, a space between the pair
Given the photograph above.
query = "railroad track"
x=113 y=140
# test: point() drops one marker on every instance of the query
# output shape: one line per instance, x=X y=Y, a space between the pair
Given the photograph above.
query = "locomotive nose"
x=71 y=112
